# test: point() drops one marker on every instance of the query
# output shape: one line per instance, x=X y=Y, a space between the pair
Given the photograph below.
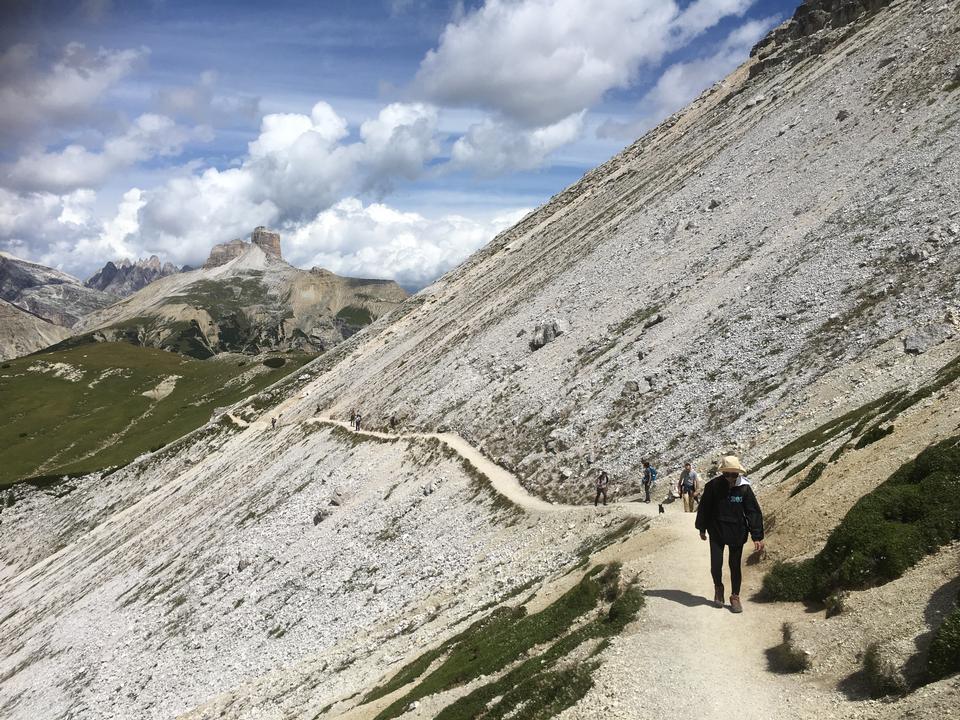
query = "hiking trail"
x=687 y=659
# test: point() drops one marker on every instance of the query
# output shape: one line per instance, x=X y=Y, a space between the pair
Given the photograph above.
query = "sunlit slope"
x=101 y=405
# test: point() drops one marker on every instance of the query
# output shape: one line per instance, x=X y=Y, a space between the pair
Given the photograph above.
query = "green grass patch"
x=815 y=472
x=912 y=513
x=873 y=435
x=851 y=422
x=537 y=686
x=355 y=315
x=95 y=415
x=943 y=659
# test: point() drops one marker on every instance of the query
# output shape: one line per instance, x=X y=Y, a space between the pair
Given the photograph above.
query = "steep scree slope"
x=779 y=252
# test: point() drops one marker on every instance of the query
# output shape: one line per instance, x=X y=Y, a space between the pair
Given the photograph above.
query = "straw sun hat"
x=731 y=464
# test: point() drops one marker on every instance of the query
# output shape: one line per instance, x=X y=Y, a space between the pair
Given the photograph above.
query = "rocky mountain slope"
x=245 y=298
x=783 y=249
x=22 y=332
x=47 y=293
x=123 y=278
x=770 y=271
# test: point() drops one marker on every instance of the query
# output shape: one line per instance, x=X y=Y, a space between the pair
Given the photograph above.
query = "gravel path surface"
x=687 y=659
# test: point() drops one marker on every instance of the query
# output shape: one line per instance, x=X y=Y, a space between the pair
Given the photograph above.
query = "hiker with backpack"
x=649 y=478
x=689 y=487
x=728 y=514
x=356 y=422
x=601 y=483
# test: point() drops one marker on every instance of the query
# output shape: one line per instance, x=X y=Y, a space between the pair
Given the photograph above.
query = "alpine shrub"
x=914 y=512
x=790 y=581
x=944 y=656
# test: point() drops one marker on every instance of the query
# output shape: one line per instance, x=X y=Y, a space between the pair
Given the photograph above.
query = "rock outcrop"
x=123 y=278
x=47 y=293
x=223 y=253
x=267 y=241
x=264 y=239
x=22 y=333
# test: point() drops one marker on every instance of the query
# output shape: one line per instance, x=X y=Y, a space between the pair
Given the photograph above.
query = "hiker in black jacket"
x=729 y=512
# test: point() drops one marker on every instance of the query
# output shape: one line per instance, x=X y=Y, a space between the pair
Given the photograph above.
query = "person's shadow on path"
x=680 y=596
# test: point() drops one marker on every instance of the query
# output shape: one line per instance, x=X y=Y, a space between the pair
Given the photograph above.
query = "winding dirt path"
x=503 y=480
x=687 y=660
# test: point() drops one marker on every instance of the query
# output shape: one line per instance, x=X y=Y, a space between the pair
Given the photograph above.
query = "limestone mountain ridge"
x=50 y=294
x=124 y=277
x=245 y=298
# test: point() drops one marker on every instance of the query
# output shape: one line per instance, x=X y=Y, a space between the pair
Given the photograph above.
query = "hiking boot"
x=718 y=596
x=735 y=606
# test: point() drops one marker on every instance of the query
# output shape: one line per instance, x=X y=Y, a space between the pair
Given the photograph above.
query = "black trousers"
x=646 y=491
x=735 y=560
x=600 y=491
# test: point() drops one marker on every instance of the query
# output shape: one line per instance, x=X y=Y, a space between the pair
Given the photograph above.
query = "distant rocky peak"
x=264 y=239
x=124 y=277
x=267 y=241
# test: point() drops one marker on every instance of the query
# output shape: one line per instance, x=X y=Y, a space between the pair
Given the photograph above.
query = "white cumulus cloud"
x=495 y=147
x=682 y=82
x=75 y=166
x=539 y=61
x=375 y=240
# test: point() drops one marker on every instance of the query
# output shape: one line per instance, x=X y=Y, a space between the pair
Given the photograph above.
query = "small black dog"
x=661 y=508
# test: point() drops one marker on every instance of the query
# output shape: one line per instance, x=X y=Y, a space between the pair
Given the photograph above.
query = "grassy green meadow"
x=84 y=409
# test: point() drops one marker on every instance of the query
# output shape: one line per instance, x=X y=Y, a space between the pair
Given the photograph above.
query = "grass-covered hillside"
x=97 y=406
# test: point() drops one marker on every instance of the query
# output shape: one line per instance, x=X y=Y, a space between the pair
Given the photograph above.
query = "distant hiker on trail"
x=649 y=478
x=601 y=484
x=353 y=418
x=689 y=487
x=273 y=423
x=729 y=512
x=393 y=421
x=356 y=423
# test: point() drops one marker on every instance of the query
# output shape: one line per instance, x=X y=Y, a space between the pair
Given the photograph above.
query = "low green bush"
x=914 y=512
x=790 y=581
x=881 y=676
x=811 y=477
x=872 y=435
x=944 y=656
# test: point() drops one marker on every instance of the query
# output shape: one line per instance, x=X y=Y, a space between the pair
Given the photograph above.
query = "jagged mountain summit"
x=50 y=294
x=245 y=298
x=124 y=277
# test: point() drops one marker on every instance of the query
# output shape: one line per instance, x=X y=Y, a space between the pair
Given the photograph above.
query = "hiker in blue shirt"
x=649 y=478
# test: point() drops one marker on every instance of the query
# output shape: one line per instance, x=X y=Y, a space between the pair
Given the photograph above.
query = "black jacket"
x=729 y=514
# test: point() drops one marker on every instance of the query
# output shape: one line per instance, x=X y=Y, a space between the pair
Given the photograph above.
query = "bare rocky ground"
x=290 y=561
x=774 y=256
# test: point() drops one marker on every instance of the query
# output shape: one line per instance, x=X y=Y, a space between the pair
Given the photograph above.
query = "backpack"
x=653 y=474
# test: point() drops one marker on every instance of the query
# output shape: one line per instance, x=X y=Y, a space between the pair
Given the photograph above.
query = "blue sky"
x=382 y=137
